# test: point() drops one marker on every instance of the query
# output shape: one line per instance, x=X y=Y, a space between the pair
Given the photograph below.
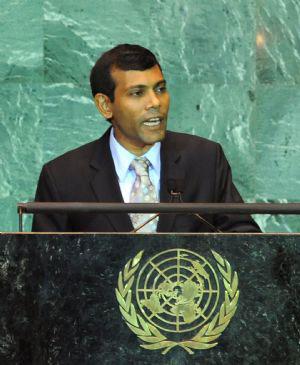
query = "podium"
x=145 y=299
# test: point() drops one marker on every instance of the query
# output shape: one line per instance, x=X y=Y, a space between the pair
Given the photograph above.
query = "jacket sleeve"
x=226 y=192
x=47 y=192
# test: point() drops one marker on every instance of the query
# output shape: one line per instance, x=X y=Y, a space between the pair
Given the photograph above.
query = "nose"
x=153 y=101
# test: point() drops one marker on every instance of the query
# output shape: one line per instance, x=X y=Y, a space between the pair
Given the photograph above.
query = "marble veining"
x=60 y=305
x=232 y=66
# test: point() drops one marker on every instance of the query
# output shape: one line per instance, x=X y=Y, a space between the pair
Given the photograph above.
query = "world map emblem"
x=177 y=298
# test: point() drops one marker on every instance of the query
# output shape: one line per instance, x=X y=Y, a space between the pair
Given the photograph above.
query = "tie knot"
x=140 y=166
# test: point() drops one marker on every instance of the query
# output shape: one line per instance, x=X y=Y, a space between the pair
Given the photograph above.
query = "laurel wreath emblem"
x=151 y=337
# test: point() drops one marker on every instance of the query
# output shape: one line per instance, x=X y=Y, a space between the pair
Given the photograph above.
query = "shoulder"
x=187 y=142
x=69 y=174
x=79 y=159
x=73 y=158
x=194 y=151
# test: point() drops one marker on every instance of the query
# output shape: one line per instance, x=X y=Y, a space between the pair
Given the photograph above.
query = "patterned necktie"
x=142 y=191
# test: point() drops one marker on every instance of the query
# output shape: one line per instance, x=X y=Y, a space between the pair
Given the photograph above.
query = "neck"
x=135 y=149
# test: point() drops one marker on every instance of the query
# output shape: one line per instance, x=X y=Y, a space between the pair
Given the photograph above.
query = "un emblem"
x=178 y=297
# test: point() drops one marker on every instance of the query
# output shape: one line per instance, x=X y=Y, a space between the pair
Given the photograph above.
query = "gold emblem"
x=177 y=293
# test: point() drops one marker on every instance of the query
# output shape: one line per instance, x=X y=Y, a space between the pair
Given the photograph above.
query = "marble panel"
x=211 y=42
x=70 y=119
x=77 y=33
x=277 y=223
x=21 y=41
x=275 y=132
x=20 y=148
x=278 y=41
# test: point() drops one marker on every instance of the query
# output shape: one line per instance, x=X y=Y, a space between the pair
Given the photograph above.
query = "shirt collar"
x=123 y=158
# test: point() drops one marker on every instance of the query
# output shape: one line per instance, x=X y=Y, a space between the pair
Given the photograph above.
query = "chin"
x=158 y=137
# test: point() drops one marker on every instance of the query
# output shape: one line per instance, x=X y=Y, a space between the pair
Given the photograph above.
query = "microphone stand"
x=146 y=222
x=176 y=198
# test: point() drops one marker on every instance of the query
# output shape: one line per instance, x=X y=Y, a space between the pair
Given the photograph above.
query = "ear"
x=103 y=104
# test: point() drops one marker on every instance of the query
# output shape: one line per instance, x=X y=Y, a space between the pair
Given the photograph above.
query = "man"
x=137 y=159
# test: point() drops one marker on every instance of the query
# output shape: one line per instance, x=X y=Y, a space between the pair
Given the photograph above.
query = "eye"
x=136 y=93
x=161 y=89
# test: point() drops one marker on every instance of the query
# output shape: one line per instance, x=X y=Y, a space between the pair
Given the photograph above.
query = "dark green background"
x=60 y=305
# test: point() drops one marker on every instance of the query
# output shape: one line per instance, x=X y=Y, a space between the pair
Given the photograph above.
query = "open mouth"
x=152 y=122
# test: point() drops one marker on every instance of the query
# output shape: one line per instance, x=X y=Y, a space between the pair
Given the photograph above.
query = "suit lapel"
x=171 y=167
x=104 y=183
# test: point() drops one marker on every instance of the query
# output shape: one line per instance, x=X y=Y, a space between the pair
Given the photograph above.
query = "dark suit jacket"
x=87 y=174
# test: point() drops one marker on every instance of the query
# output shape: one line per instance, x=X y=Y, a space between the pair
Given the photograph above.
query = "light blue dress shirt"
x=122 y=160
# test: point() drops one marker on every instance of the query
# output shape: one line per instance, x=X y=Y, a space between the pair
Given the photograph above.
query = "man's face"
x=140 y=108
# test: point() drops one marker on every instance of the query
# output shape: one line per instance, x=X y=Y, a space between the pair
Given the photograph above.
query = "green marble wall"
x=233 y=67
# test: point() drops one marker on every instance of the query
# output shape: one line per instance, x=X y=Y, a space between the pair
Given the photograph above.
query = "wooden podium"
x=150 y=299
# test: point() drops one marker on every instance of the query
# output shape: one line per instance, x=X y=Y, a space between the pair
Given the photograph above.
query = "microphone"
x=175 y=188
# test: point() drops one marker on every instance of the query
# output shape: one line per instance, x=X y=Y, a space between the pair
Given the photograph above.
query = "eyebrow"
x=141 y=86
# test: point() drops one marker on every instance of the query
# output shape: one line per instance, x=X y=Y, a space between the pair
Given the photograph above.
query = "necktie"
x=142 y=191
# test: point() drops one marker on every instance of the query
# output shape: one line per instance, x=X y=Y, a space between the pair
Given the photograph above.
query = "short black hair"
x=125 y=57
